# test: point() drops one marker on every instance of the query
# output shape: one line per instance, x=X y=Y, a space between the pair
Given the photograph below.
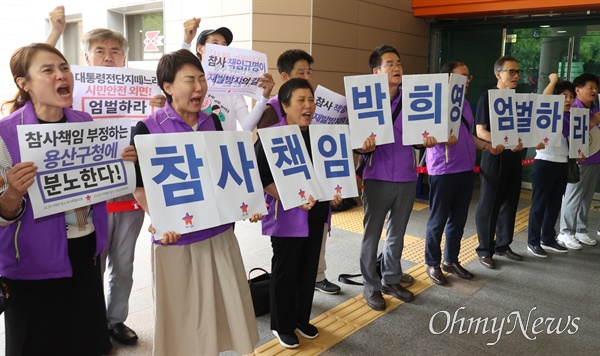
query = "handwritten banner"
x=331 y=107
x=231 y=70
x=79 y=164
x=114 y=92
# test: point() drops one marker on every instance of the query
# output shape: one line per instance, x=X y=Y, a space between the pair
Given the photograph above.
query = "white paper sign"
x=503 y=119
x=290 y=165
x=333 y=161
x=457 y=88
x=331 y=107
x=525 y=104
x=548 y=120
x=182 y=192
x=234 y=169
x=369 y=112
x=114 y=92
x=425 y=105
x=231 y=70
x=578 y=136
x=79 y=164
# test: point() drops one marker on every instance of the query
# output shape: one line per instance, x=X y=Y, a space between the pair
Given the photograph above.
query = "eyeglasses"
x=513 y=72
x=390 y=65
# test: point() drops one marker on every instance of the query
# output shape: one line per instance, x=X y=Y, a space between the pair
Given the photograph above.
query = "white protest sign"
x=333 y=161
x=457 y=89
x=524 y=106
x=547 y=120
x=331 y=107
x=234 y=169
x=579 y=144
x=290 y=165
x=79 y=164
x=231 y=70
x=425 y=105
x=369 y=111
x=114 y=92
x=177 y=181
x=503 y=119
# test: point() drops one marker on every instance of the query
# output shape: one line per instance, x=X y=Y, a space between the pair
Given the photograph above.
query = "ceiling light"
x=544 y=26
x=561 y=31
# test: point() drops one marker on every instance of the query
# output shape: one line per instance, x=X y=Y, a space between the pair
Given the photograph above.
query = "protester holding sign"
x=450 y=167
x=500 y=177
x=296 y=233
x=199 y=277
x=50 y=265
x=390 y=179
x=233 y=108
x=549 y=180
x=578 y=196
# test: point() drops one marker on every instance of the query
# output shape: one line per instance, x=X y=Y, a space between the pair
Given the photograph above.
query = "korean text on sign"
x=78 y=163
x=503 y=118
x=331 y=107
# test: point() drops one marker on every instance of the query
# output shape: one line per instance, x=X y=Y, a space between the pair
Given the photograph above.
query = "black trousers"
x=498 y=201
x=549 y=180
x=293 y=272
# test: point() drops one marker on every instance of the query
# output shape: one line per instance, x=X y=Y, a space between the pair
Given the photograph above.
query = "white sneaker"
x=584 y=238
x=569 y=241
x=599 y=232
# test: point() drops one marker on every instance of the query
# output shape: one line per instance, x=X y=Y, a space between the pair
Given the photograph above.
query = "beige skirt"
x=202 y=303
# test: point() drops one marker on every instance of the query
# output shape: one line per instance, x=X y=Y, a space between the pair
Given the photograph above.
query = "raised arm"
x=58 y=23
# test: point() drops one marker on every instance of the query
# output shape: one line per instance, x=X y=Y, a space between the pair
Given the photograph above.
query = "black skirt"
x=61 y=316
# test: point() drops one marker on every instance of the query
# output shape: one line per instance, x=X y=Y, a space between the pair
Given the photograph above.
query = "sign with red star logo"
x=546 y=141
x=505 y=139
x=302 y=194
x=338 y=190
x=88 y=198
x=188 y=219
x=425 y=134
x=244 y=208
x=373 y=135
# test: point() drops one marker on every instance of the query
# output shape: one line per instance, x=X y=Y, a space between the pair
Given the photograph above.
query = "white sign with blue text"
x=79 y=164
x=425 y=107
x=579 y=144
x=458 y=90
x=181 y=192
x=331 y=107
x=369 y=111
x=503 y=118
x=525 y=105
x=547 y=120
x=333 y=161
x=290 y=165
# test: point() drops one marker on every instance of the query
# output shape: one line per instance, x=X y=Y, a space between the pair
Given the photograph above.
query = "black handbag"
x=572 y=171
x=259 y=289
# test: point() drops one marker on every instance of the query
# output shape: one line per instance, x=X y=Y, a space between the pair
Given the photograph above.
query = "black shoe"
x=289 y=341
x=510 y=255
x=537 y=251
x=374 y=299
x=554 y=246
x=487 y=262
x=407 y=280
x=307 y=331
x=327 y=287
x=123 y=334
x=436 y=275
x=457 y=269
x=398 y=292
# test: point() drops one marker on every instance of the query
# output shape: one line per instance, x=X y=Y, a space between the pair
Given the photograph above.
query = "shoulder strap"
x=397 y=111
x=345 y=278
x=217 y=122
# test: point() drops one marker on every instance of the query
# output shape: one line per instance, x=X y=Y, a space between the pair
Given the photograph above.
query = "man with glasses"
x=500 y=178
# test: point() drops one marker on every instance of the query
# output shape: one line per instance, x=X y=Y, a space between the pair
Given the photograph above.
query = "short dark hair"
x=563 y=85
x=375 y=57
x=580 y=81
x=286 y=61
x=287 y=90
x=449 y=67
x=170 y=64
x=499 y=64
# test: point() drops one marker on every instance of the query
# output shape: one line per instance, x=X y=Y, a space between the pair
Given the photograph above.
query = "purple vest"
x=442 y=159
x=392 y=162
x=166 y=120
x=595 y=158
x=34 y=249
x=274 y=102
x=290 y=223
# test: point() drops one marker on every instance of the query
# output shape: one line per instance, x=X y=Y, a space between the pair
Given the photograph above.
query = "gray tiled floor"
x=560 y=287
